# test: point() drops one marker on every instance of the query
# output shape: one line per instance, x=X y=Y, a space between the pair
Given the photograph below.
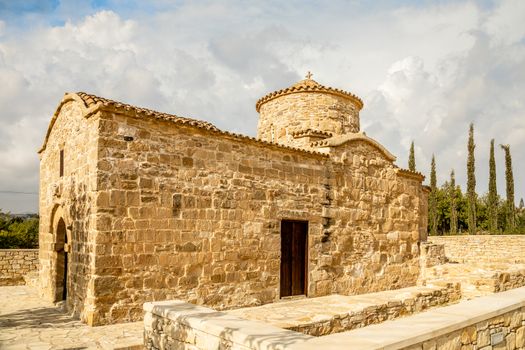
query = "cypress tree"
x=471 y=183
x=509 y=181
x=412 y=158
x=521 y=204
x=453 y=209
x=432 y=205
x=493 y=192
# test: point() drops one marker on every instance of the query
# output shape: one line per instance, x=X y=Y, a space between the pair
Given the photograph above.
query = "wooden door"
x=61 y=262
x=294 y=257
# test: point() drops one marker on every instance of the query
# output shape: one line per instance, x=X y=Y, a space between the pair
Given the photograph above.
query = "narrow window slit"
x=61 y=162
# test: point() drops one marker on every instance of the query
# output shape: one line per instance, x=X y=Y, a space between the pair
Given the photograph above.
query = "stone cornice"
x=311 y=133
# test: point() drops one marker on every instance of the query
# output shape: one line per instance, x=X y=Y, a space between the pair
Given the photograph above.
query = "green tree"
x=462 y=205
x=482 y=212
x=520 y=220
x=502 y=214
x=432 y=205
x=5 y=220
x=17 y=232
x=493 y=192
x=471 y=182
x=522 y=205
x=412 y=158
x=509 y=182
x=453 y=209
x=444 y=208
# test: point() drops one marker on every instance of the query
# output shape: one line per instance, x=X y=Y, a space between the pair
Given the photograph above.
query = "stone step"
x=477 y=280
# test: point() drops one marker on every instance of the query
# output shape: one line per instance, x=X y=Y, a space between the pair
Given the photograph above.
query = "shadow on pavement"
x=42 y=317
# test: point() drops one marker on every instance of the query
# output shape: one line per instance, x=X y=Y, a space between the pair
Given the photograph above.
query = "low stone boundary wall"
x=180 y=325
x=483 y=248
x=338 y=313
x=492 y=322
x=15 y=263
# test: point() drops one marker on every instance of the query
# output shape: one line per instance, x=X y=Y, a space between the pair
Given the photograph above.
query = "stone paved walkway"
x=27 y=322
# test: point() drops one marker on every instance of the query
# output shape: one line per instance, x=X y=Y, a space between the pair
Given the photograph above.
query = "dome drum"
x=307 y=112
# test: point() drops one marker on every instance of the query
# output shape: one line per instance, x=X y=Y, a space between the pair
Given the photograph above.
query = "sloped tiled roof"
x=92 y=101
x=350 y=137
x=308 y=85
x=410 y=173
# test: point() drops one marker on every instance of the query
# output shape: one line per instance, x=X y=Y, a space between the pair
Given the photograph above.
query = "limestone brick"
x=520 y=337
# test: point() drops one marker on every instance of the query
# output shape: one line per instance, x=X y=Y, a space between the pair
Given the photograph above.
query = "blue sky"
x=425 y=70
x=57 y=12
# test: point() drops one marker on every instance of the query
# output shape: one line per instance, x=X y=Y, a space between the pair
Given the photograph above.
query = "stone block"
x=520 y=337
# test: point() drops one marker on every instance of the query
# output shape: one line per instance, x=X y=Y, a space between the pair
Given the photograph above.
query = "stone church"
x=138 y=205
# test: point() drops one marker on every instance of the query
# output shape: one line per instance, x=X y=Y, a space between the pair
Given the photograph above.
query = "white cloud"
x=424 y=72
x=505 y=24
x=433 y=104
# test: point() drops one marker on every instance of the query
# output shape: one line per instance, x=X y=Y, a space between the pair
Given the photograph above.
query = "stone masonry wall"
x=483 y=248
x=375 y=223
x=68 y=197
x=15 y=263
x=192 y=216
x=506 y=332
x=195 y=215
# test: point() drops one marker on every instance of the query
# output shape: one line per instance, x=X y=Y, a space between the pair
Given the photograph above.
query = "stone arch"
x=61 y=242
x=56 y=214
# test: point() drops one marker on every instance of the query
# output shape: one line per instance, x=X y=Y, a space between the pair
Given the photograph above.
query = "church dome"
x=306 y=112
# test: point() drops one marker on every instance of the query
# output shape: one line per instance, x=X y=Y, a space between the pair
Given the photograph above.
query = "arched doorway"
x=61 y=267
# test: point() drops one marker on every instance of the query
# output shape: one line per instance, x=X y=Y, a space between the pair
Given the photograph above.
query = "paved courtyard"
x=27 y=322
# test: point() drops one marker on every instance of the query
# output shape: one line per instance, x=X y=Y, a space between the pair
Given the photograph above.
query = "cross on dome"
x=309 y=75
